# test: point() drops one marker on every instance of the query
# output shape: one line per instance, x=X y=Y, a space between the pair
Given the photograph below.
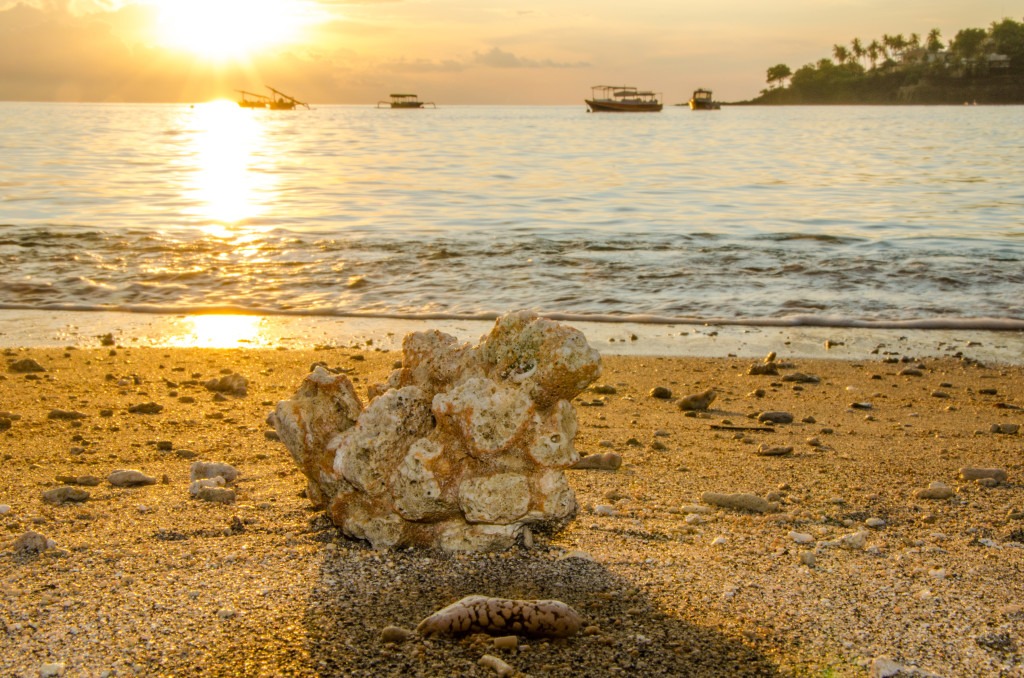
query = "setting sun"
x=222 y=29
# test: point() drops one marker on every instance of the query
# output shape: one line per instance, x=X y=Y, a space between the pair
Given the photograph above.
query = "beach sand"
x=148 y=581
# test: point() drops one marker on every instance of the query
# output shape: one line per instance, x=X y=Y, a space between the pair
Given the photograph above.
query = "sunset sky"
x=448 y=51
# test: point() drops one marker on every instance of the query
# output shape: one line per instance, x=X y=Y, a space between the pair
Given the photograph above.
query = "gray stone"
x=212 y=469
x=776 y=417
x=219 y=495
x=129 y=478
x=66 y=493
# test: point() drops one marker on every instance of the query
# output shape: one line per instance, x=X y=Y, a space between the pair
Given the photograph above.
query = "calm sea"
x=797 y=215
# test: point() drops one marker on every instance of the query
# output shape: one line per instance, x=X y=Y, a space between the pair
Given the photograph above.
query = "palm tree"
x=841 y=53
x=934 y=41
x=875 y=50
x=858 y=49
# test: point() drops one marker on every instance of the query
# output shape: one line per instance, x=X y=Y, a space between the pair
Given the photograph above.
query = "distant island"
x=983 y=66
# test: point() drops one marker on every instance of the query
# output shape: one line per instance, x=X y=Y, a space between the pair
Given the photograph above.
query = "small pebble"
x=129 y=478
x=395 y=634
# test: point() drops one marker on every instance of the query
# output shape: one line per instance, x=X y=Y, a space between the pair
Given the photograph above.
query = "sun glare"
x=224 y=29
x=220 y=331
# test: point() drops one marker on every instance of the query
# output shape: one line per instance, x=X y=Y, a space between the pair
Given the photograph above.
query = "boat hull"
x=406 y=104
x=704 y=106
x=603 y=106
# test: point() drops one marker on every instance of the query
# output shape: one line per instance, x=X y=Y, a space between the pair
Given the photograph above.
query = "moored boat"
x=278 y=101
x=622 y=99
x=702 y=101
x=405 y=101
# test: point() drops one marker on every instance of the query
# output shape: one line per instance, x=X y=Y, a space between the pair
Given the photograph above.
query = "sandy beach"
x=149 y=581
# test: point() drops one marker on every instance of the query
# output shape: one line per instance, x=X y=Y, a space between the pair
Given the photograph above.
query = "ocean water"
x=884 y=216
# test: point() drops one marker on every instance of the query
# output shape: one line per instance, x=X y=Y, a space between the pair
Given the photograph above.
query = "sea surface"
x=833 y=216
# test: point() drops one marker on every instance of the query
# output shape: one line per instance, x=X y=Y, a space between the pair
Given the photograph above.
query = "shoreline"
x=20 y=328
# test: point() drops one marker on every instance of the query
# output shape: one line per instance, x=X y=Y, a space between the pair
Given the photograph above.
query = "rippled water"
x=798 y=214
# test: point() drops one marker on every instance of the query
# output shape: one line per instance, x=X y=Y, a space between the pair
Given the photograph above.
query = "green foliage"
x=898 y=69
x=1008 y=38
x=968 y=42
x=778 y=73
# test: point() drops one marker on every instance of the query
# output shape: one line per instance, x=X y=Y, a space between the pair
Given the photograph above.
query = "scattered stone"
x=32 y=542
x=884 y=667
x=232 y=384
x=272 y=435
x=874 y=523
x=939 y=394
x=808 y=558
x=1005 y=429
x=459 y=450
x=212 y=469
x=186 y=454
x=762 y=369
x=854 y=540
x=765 y=450
x=742 y=501
x=5 y=423
x=164 y=445
x=5 y=509
x=146 y=408
x=395 y=634
x=861 y=406
x=971 y=473
x=65 y=415
x=217 y=495
x=661 y=393
x=54 y=670
x=25 y=365
x=606 y=461
x=497 y=665
x=506 y=643
x=801 y=378
x=196 y=485
x=801 y=537
x=911 y=372
x=698 y=401
x=757 y=393
x=935 y=490
x=129 y=478
x=65 y=493
x=480 y=614
x=604 y=389
x=776 y=417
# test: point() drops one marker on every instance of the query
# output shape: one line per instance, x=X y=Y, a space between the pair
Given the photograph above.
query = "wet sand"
x=148 y=581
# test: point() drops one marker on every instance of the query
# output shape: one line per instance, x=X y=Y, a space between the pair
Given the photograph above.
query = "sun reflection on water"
x=220 y=331
x=224 y=189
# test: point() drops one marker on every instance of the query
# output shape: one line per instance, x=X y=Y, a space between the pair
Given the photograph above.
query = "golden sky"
x=447 y=51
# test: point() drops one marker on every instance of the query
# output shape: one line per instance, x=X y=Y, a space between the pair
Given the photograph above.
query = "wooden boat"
x=278 y=101
x=622 y=99
x=702 y=101
x=405 y=101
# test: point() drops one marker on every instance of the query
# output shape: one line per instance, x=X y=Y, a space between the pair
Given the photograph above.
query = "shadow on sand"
x=359 y=591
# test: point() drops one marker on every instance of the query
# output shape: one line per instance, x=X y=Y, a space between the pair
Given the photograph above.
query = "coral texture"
x=461 y=449
x=480 y=614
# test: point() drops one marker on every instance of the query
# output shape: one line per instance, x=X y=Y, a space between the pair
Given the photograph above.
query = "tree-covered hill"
x=984 y=66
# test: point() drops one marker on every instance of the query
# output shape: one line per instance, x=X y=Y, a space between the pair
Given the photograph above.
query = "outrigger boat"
x=405 y=101
x=622 y=99
x=702 y=101
x=278 y=102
